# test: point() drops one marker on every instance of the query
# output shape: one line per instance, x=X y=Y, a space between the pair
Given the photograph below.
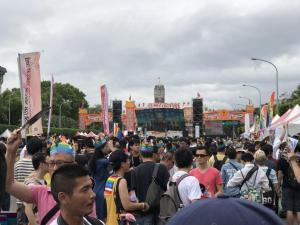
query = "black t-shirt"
x=135 y=161
x=81 y=160
x=289 y=180
x=141 y=178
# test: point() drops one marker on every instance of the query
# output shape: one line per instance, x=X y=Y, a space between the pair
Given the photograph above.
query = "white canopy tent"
x=5 y=134
x=294 y=127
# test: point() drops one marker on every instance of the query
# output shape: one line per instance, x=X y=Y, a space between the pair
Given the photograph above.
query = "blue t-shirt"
x=227 y=172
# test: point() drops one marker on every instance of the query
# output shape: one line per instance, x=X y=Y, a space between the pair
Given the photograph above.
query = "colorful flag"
x=117 y=131
x=271 y=108
x=30 y=86
x=50 y=104
x=116 y=128
x=104 y=100
x=263 y=117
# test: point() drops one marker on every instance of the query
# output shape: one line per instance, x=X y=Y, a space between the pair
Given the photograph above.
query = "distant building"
x=159 y=93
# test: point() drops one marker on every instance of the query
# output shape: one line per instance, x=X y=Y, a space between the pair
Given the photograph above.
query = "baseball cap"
x=225 y=210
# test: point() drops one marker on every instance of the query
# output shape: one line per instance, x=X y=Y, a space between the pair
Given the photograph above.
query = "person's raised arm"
x=17 y=189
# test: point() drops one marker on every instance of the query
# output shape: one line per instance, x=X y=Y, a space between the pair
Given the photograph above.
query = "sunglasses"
x=201 y=155
x=59 y=163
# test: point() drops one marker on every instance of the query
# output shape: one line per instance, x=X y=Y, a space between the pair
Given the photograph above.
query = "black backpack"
x=219 y=163
x=268 y=197
x=154 y=191
x=170 y=201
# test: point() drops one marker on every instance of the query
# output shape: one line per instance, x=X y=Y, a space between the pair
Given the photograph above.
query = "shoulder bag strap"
x=249 y=175
x=50 y=214
x=177 y=184
x=155 y=171
x=117 y=198
x=268 y=174
x=234 y=167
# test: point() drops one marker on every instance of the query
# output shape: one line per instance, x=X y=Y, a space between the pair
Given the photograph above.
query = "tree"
x=62 y=93
x=12 y=98
x=289 y=103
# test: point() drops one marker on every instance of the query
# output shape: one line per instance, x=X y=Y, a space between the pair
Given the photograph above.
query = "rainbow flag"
x=271 y=108
x=117 y=131
x=109 y=185
x=264 y=117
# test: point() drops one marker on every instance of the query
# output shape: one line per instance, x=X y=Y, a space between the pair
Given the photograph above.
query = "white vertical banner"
x=30 y=87
x=247 y=125
x=197 y=131
x=104 y=100
x=50 y=104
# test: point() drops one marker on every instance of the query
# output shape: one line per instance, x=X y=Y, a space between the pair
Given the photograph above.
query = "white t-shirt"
x=189 y=188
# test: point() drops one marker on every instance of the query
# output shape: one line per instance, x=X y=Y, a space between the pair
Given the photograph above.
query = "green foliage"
x=289 y=103
x=65 y=95
x=95 y=109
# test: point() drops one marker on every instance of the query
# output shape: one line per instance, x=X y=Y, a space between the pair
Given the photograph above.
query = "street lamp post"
x=9 y=109
x=277 y=99
x=247 y=85
x=246 y=98
x=64 y=102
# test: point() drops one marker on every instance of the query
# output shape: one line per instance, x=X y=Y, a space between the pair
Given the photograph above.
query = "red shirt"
x=210 y=179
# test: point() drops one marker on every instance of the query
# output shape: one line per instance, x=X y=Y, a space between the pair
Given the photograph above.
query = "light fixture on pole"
x=64 y=102
x=259 y=93
x=277 y=99
x=247 y=99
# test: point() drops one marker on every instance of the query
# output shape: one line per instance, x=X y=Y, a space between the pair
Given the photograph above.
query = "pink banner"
x=104 y=100
x=30 y=86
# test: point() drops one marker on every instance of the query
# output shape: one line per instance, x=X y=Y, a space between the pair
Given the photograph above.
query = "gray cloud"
x=192 y=46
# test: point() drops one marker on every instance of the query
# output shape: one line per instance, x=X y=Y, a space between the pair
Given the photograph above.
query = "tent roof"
x=280 y=120
x=6 y=133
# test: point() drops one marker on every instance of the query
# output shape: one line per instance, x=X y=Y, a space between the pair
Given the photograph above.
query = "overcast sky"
x=193 y=46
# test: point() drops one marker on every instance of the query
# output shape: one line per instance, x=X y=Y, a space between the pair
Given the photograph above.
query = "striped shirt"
x=23 y=168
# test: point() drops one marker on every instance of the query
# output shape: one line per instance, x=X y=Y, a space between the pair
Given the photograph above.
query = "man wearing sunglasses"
x=208 y=176
x=60 y=154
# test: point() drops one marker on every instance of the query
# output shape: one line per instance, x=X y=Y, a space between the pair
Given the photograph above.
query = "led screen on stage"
x=160 y=119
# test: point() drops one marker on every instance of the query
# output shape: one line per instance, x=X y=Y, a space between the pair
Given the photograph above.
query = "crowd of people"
x=148 y=180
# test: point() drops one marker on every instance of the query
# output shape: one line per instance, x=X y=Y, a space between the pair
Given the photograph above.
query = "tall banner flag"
x=271 y=108
x=30 y=86
x=50 y=104
x=117 y=132
x=264 y=117
x=116 y=129
x=247 y=125
x=104 y=100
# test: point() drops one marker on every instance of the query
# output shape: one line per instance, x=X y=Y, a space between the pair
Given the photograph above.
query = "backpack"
x=154 y=191
x=219 y=163
x=268 y=197
x=170 y=201
x=251 y=193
